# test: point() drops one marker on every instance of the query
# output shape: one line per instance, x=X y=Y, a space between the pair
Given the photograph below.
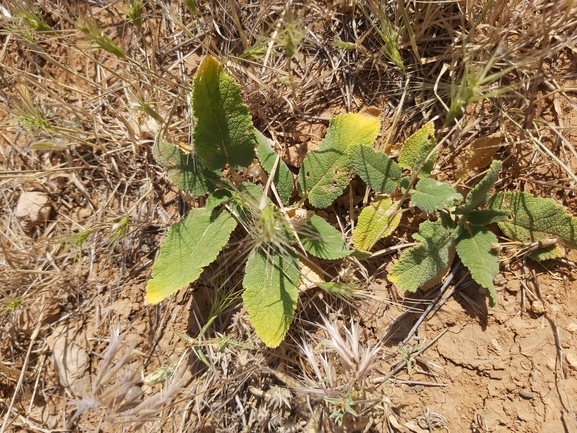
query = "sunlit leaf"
x=190 y=245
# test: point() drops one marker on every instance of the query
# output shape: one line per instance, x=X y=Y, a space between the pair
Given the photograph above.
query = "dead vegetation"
x=86 y=87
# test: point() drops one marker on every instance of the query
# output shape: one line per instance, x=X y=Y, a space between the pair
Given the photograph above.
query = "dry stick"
x=433 y=303
x=24 y=365
x=397 y=114
x=271 y=43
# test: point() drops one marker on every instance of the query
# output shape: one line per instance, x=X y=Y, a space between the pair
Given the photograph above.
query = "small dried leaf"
x=478 y=154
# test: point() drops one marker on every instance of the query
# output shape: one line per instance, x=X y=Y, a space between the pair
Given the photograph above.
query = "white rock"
x=70 y=359
x=33 y=209
x=571 y=360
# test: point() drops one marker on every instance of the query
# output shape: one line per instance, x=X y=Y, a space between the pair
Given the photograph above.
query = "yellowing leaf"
x=374 y=224
x=417 y=147
x=325 y=172
x=223 y=132
x=271 y=283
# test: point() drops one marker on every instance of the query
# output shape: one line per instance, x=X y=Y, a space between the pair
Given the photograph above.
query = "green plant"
x=281 y=238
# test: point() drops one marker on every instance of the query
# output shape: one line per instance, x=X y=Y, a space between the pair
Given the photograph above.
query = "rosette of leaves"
x=223 y=141
x=459 y=228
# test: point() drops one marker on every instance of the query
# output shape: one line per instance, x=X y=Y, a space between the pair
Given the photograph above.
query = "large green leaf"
x=271 y=282
x=432 y=195
x=486 y=216
x=223 y=131
x=376 y=169
x=478 y=195
x=534 y=219
x=283 y=178
x=322 y=240
x=474 y=250
x=325 y=172
x=417 y=147
x=374 y=223
x=421 y=263
x=184 y=169
x=190 y=245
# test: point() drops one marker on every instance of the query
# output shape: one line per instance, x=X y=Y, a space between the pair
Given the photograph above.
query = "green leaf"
x=474 y=250
x=417 y=147
x=190 y=245
x=432 y=195
x=420 y=263
x=322 y=240
x=376 y=169
x=184 y=169
x=404 y=183
x=325 y=172
x=373 y=224
x=271 y=282
x=478 y=195
x=283 y=178
x=223 y=132
x=486 y=216
x=246 y=202
x=217 y=198
x=534 y=219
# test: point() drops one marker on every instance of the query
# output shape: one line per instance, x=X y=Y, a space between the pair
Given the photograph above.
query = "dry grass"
x=86 y=88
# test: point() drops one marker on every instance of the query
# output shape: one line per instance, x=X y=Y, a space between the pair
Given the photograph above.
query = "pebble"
x=571 y=360
x=527 y=395
x=33 y=209
x=538 y=307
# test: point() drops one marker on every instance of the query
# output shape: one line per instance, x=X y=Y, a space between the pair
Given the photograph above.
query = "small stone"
x=571 y=360
x=33 y=208
x=538 y=307
x=527 y=395
x=70 y=359
x=500 y=280
x=513 y=286
x=572 y=327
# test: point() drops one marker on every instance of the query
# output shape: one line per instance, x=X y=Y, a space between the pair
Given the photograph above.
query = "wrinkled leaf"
x=431 y=195
x=478 y=195
x=376 y=169
x=283 y=178
x=223 y=132
x=420 y=263
x=417 y=147
x=217 y=198
x=474 y=250
x=190 y=245
x=184 y=169
x=322 y=240
x=325 y=172
x=373 y=224
x=534 y=219
x=486 y=216
x=271 y=284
